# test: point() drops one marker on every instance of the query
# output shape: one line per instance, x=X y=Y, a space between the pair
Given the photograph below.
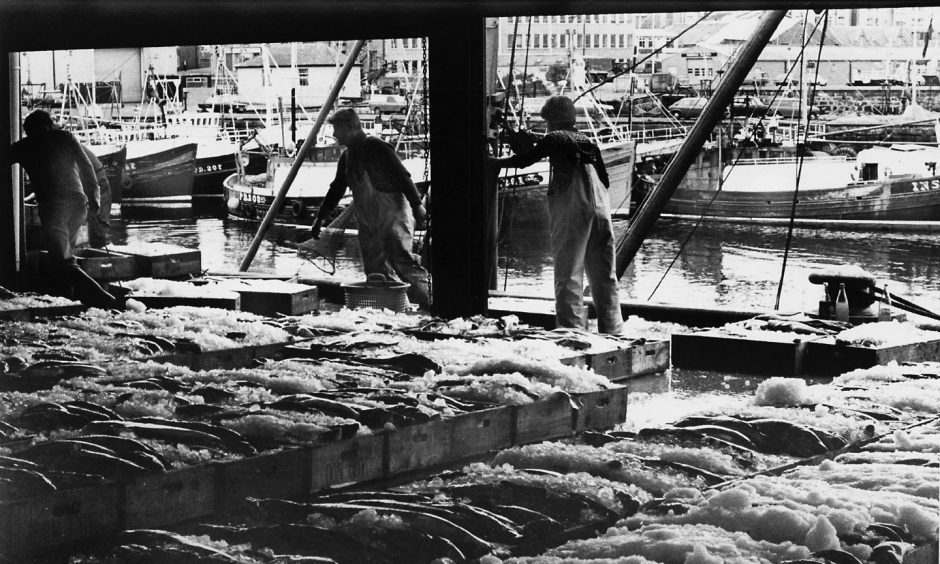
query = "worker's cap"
x=346 y=116
x=39 y=120
x=559 y=110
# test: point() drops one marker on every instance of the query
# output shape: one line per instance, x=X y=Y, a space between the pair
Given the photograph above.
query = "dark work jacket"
x=565 y=150
x=57 y=167
x=379 y=160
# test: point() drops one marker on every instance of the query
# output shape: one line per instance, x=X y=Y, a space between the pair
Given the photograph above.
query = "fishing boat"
x=159 y=172
x=896 y=183
x=249 y=196
x=113 y=157
x=216 y=160
x=524 y=191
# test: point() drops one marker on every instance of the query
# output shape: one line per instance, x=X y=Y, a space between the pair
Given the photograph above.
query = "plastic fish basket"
x=377 y=292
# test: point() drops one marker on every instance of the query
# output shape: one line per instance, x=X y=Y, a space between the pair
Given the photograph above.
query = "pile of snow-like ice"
x=34 y=301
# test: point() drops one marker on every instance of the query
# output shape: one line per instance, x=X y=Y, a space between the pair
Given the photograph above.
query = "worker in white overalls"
x=579 y=209
x=387 y=205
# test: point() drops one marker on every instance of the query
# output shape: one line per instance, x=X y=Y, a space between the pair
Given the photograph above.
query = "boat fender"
x=297 y=208
x=126 y=181
x=232 y=203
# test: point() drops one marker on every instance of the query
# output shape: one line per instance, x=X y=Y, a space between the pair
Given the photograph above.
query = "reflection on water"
x=729 y=265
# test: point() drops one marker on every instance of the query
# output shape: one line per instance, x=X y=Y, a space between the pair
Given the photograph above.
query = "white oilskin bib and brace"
x=582 y=241
x=386 y=236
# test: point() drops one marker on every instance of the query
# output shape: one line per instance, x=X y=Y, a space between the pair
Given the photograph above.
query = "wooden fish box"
x=418 y=447
x=286 y=299
x=479 y=432
x=354 y=460
x=638 y=359
x=603 y=409
x=714 y=350
x=178 y=495
x=240 y=357
x=280 y=474
x=927 y=554
x=106 y=265
x=160 y=302
x=545 y=419
x=67 y=518
x=33 y=312
x=164 y=261
x=835 y=359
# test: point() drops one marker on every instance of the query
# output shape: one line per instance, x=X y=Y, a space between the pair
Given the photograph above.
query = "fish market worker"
x=387 y=205
x=66 y=189
x=582 y=235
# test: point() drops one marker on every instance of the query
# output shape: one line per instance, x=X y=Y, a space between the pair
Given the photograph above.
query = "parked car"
x=748 y=106
x=388 y=103
x=689 y=107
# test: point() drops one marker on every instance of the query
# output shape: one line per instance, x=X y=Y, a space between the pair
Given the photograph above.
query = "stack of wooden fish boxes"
x=73 y=517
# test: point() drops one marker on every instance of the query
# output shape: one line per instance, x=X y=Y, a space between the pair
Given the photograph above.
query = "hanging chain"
x=424 y=107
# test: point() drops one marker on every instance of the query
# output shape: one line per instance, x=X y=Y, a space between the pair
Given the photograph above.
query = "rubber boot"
x=89 y=292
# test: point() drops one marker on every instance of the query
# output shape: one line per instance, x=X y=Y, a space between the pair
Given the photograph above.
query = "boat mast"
x=301 y=156
x=652 y=206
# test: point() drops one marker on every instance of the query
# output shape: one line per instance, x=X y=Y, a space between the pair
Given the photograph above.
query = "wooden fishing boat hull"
x=211 y=171
x=161 y=177
x=247 y=199
x=523 y=194
x=114 y=161
x=906 y=199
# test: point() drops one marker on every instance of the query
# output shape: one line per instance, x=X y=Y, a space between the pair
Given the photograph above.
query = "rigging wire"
x=801 y=154
x=722 y=175
x=655 y=52
x=509 y=201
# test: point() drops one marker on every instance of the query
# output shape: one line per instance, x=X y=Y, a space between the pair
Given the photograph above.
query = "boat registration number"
x=926 y=185
x=520 y=180
x=253 y=198
x=203 y=169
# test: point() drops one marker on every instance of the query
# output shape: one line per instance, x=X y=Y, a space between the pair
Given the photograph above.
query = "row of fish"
x=459 y=518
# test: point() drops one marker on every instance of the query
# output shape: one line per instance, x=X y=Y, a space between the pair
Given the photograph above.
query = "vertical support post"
x=12 y=247
x=459 y=202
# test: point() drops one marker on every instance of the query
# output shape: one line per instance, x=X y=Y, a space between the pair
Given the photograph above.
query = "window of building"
x=545 y=40
x=620 y=41
x=303 y=76
x=554 y=40
x=604 y=40
x=597 y=40
x=537 y=44
x=580 y=40
x=394 y=43
x=563 y=41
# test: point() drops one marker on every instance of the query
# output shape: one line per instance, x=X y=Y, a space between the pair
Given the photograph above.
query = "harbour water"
x=735 y=266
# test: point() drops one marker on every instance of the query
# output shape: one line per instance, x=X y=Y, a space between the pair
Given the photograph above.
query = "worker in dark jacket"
x=582 y=235
x=66 y=189
x=98 y=230
x=387 y=205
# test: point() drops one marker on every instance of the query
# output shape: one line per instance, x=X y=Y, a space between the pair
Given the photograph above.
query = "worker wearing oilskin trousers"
x=66 y=189
x=582 y=236
x=387 y=205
